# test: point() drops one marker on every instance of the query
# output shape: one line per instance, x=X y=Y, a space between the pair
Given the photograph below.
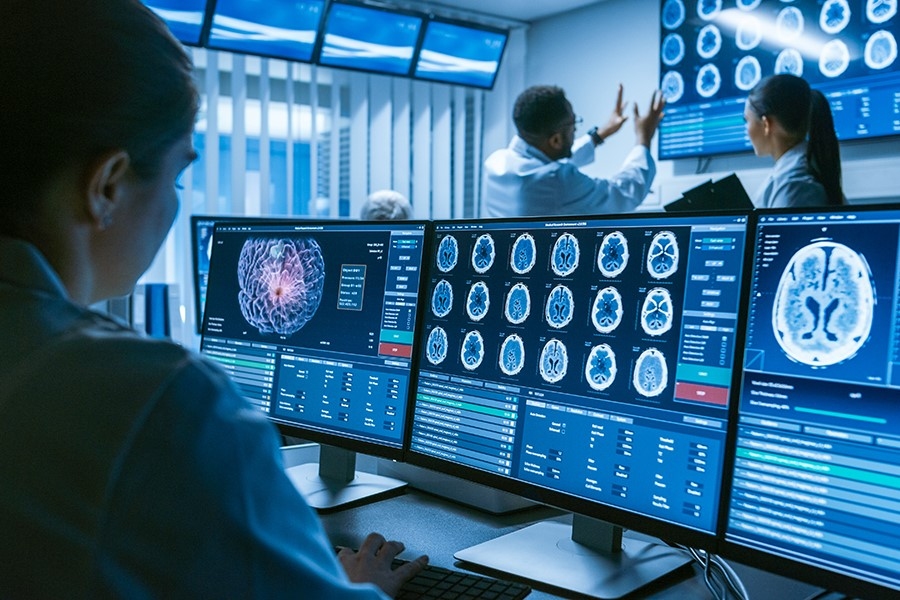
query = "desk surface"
x=431 y=525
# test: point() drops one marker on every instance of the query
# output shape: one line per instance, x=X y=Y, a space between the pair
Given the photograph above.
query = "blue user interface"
x=589 y=357
x=184 y=18
x=459 y=54
x=315 y=322
x=284 y=29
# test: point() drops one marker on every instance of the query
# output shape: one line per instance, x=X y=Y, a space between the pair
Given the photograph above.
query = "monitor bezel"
x=769 y=561
x=665 y=530
x=466 y=25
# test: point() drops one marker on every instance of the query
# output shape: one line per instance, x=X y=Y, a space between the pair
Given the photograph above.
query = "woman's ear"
x=104 y=186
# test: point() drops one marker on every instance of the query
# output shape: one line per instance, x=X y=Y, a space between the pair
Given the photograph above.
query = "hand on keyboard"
x=373 y=563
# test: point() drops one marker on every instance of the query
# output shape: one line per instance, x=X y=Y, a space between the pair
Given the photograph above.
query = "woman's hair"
x=540 y=110
x=386 y=205
x=803 y=113
x=78 y=79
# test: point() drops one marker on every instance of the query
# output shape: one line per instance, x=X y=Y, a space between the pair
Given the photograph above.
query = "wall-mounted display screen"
x=369 y=39
x=184 y=18
x=276 y=28
x=460 y=53
x=712 y=54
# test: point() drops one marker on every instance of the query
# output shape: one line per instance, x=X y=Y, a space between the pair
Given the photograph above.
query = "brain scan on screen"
x=554 y=361
x=709 y=41
x=472 y=352
x=518 y=304
x=673 y=14
x=607 y=311
x=747 y=73
x=524 y=254
x=881 y=50
x=662 y=257
x=600 y=370
x=436 y=347
x=512 y=355
x=789 y=24
x=672 y=86
x=613 y=255
x=709 y=80
x=748 y=4
x=483 y=253
x=447 y=254
x=672 y=49
x=566 y=254
x=823 y=308
x=834 y=16
x=281 y=283
x=880 y=11
x=560 y=307
x=442 y=299
x=657 y=312
x=709 y=9
x=478 y=301
x=749 y=33
x=834 y=59
x=651 y=375
x=789 y=61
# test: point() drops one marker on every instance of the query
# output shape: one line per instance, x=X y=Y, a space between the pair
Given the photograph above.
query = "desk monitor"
x=369 y=38
x=285 y=29
x=816 y=492
x=727 y=193
x=460 y=53
x=185 y=18
x=315 y=323
x=585 y=363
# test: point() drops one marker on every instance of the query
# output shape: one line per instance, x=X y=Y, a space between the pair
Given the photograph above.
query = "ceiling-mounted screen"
x=460 y=53
x=366 y=38
x=713 y=53
x=275 y=28
x=184 y=18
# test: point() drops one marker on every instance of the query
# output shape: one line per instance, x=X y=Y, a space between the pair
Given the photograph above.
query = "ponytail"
x=823 y=154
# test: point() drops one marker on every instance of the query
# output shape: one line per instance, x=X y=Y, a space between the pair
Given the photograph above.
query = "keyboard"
x=437 y=582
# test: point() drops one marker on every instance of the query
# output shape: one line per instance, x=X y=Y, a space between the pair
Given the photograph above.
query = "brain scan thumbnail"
x=447 y=254
x=554 y=361
x=709 y=80
x=789 y=61
x=709 y=41
x=512 y=355
x=281 y=283
x=835 y=58
x=672 y=86
x=483 y=253
x=472 y=352
x=834 y=16
x=650 y=373
x=673 y=14
x=708 y=9
x=789 y=24
x=518 y=304
x=880 y=11
x=565 y=255
x=606 y=312
x=881 y=50
x=478 y=301
x=436 y=347
x=747 y=73
x=613 y=255
x=672 y=49
x=524 y=254
x=600 y=370
x=748 y=4
x=824 y=303
x=749 y=33
x=662 y=258
x=442 y=299
x=560 y=307
x=657 y=312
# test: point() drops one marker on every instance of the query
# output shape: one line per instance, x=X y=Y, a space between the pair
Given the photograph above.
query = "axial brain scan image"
x=747 y=73
x=880 y=11
x=673 y=14
x=512 y=355
x=436 y=347
x=447 y=254
x=600 y=370
x=524 y=254
x=656 y=313
x=672 y=86
x=672 y=49
x=560 y=307
x=789 y=61
x=881 y=50
x=483 y=253
x=281 y=283
x=834 y=59
x=518 y=304
x=554 y=361
x=442 y=299
x=789 y=24
x=606 y=312
x=709 y=41
x=709 y=80
x=834 y=16
x=650 y=373
x=749 y=33
x=613 y=255
x=708 y=9
x=472 y=352
x=662 y=258
x=824 y=303
x=478 y=301
x=565 y=255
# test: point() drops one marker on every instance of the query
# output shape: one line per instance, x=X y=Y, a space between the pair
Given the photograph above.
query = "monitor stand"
x=589 y=557
x=334 y=482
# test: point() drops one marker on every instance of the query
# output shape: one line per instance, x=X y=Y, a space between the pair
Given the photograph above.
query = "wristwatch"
x=595 y=136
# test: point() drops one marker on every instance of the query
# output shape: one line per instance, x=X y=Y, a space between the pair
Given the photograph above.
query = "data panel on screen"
x=460 y=53
x=368 y=38
x=284 y=29
x=816 y=473
x=589 y=358
x=184 y=18
x=712 y=53
x=315 y=324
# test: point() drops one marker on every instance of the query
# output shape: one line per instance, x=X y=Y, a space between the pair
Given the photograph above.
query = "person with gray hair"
x=386 y=205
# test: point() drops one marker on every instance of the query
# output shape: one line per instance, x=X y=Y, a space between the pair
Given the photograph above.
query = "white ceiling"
x=510 y=10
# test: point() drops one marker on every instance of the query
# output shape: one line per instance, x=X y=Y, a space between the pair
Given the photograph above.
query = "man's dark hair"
x=540 y=110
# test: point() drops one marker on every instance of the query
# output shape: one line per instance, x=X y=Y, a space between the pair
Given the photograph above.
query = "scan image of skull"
x=483 y=253
x=436 y=347
x=651 y=375
x=554 y=362
x=566 y=254
x=607 y=311
x=662 y=258
x=600 y=370
x=518 y=304
x=447 y=254
x=560 y=307
x=472 y=352
x=824 y=304
x=613 y=255
x=512 y=355
x=478 y=301
x=524 y=254
x=442 y=299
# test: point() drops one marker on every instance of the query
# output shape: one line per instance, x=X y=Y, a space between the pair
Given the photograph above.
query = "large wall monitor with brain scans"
x=713 y=52
x=585 y=363
x=315 y=322
x=817 y=460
